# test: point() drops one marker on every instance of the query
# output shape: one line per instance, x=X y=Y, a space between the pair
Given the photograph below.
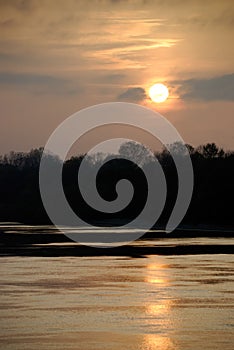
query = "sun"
x=158 y=93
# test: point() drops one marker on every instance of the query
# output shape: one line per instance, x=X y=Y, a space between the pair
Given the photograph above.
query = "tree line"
x=212 y=201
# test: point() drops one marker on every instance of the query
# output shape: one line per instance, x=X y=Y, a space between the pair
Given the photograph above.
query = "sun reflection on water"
x=157 y=273
x=158 y=307
x=154 y=341
x=161 y=308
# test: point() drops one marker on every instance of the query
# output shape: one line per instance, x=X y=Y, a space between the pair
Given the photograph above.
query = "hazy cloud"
x=113 y=78
x=24 y=79
x=214 y=89
x=39 y=83
x=21 y=5
x=130 y=45
x=135 y=94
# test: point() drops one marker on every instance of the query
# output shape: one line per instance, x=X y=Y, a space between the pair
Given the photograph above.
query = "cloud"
x=21 y=5
x=113 y=78
x=39 y=83
x=219 y=88
x=224 y=18
x=136 y=94
x=130 y=45
x=25 y=79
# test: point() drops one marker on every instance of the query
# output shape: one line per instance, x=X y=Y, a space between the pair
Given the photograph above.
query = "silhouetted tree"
x=213 y=183
x=135 y=151
x=210 y=150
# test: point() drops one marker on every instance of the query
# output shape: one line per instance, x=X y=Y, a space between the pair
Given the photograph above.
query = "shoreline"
x=48 y=242
x=129 y=251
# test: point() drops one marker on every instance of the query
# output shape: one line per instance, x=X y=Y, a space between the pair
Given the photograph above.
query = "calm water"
x=175 y=302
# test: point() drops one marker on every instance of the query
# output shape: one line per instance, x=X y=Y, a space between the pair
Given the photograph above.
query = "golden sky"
x=57 y=57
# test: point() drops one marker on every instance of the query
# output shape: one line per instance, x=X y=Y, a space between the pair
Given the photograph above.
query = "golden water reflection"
x=158 y=308
x=154 y=341
x=162 y=308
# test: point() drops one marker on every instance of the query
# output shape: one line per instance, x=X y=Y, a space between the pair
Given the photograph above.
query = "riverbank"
x=21 y=240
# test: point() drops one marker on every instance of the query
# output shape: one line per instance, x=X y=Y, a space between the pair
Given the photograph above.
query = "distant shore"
x=17 y=240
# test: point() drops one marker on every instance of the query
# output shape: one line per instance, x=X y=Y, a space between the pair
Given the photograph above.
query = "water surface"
x=116 y=303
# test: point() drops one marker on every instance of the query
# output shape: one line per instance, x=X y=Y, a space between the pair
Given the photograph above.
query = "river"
x=116 y=303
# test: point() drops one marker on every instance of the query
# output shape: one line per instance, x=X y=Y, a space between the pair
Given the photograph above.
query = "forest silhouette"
x=211 y=204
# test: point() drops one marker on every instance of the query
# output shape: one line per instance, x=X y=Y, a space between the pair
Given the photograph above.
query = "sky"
x=57 y=57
